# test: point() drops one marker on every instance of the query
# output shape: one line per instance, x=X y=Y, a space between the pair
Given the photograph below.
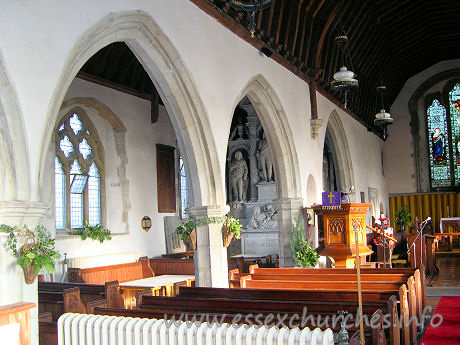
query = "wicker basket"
x=29 y=271
x=227 y=236
x=191 y=241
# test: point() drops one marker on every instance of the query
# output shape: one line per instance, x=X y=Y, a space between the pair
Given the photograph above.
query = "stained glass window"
x=438 y=145
x=454 y=105
x=77 y=174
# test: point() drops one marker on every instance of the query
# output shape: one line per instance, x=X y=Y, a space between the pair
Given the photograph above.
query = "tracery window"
x=443 y=125
x=77 y=172
x=183 y=188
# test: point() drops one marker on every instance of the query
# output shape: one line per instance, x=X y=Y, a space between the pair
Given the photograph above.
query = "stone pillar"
x=211 y=268
x=288 y=211
x=12 y=286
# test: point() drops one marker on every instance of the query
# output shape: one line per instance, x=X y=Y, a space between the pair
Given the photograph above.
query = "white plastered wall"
x=219 y=64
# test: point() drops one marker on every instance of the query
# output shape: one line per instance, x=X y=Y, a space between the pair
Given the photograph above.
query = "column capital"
x=290 y=203
x=209 y=211
x=19 y=212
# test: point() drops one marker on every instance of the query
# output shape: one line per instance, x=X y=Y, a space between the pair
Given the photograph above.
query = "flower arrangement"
x=37 y=252
x=302 y=251
x=232 y=227
x=94 y=232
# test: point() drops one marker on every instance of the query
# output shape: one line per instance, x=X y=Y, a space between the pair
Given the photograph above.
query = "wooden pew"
x=60 y=302
x=47 y=333
x=88 y=292
x=387 y=275
x=121 y=273
x=172 y=266
x=249 y=282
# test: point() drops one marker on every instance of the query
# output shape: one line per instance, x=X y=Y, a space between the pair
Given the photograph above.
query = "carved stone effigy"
x=254 y=206
x=339 y=236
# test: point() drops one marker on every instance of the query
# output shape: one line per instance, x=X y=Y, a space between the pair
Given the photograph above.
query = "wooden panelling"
x=434 y=205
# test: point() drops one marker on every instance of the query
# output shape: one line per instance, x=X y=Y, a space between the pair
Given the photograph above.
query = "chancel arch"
x=336 y=149
x=169 y=74
x=278 y=134
x=14 y=164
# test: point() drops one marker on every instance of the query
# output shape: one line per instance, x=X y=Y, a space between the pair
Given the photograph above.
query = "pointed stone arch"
x=276 y=126
x=279 y=135
x=337 y=136
x=170 y=76
x=14 y=169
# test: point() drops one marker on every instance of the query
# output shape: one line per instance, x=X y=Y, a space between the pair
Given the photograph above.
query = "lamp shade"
x=344 y=79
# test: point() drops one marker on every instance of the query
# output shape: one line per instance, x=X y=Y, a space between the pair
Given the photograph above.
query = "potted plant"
x=36 y=253
x=403 y=218
x=94 y=232
x=303 y=253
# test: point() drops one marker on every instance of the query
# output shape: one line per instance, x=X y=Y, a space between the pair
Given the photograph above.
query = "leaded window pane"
x=66 y=146
x=76 y=211
x=85 y=149
x=94 y=195
x=59 y=194
x=454 y=104
x=73 y=184
x=438 y=145
x=75 y=124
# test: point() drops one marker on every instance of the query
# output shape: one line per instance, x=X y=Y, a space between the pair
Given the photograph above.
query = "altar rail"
x=424 y=205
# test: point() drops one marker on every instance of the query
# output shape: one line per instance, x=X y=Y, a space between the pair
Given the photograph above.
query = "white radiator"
x=103 y=260
x=85 y=329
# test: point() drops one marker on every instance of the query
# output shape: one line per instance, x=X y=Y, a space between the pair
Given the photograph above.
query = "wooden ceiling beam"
x=288 y=25
x=294 y=41
x=323 y=35
x=280 y=21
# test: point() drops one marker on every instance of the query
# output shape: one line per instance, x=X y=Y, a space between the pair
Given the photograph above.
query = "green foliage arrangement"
x=38 y=251
x=184 y=229
x=403 y=217
x=303 y=252
x=94 y=232
x=233 y=225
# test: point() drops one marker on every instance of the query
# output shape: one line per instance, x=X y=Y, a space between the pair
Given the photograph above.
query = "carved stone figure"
x=240 y=131
x=257 y=219
x=267 y=219
x=238 y=177
x=265 y=160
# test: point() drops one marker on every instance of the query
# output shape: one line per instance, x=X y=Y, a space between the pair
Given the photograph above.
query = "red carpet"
x=448 y=332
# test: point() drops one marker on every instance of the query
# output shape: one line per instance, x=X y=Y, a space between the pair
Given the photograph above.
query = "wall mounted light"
x=146 y=223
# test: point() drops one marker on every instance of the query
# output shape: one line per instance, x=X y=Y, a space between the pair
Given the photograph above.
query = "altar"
x=339 y=236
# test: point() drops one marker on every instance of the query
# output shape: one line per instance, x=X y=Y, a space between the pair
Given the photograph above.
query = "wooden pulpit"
x=339 y=236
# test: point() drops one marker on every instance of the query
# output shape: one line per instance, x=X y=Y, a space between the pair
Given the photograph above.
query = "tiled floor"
x=449 y=272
